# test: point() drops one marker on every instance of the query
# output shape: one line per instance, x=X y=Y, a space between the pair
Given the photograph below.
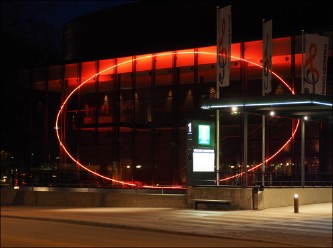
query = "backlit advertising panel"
x=203 y=160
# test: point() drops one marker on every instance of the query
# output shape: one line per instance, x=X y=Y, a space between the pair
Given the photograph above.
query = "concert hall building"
x=135 y=75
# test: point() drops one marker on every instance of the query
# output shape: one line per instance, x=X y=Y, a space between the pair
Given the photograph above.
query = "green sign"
x=203 y=134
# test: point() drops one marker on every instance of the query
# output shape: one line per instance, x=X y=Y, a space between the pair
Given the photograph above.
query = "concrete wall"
x=280 y=197
x=242 y=198
x=91 y=199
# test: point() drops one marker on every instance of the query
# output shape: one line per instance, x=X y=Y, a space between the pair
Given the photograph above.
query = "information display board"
x=200 y=153
x=203 y=160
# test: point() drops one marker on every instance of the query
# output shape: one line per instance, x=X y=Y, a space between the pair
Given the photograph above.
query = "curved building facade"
x=131 y=81
x=156 y=26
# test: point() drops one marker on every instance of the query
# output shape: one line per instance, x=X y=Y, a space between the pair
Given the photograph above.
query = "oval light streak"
x=147 y=57
x=286 y=143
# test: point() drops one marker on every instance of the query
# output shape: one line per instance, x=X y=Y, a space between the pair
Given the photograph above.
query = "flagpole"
x=302 y=122
x=217 y=111
x=302 y=77
x=263 y=153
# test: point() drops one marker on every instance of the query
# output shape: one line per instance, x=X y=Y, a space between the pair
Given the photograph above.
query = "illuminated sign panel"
x=203 y=160
x=200 y=153
x=203 y=134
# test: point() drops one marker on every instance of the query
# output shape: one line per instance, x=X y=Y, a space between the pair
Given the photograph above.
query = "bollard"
x=296 y=203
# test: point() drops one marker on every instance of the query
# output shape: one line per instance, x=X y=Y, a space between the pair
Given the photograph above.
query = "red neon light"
x=163 y=187
x=284 y=145
x=149 y=57
x=270 y=158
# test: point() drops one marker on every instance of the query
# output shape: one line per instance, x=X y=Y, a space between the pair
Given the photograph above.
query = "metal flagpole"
x=303 y=152
x=263 y=153
x=217 y=111
x=302 y=77
x=245 y=183
x=302 y=121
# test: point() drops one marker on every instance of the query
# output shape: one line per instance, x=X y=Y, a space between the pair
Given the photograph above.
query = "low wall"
x=91 y=199
x=280 y=197
x=244 y=198
x=241 y=197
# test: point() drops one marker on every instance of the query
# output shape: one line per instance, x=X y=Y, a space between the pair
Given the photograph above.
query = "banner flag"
x=267 y=57
x=223 y=45
x=315 y=64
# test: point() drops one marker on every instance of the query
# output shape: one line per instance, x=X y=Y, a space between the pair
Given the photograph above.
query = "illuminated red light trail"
x=149 y=57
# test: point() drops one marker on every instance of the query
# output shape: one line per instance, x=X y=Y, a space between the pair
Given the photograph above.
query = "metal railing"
x=276 y=179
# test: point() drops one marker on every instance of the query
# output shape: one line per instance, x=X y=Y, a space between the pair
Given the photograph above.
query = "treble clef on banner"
x=311 y=73
x=266 y=63
x=222 y=53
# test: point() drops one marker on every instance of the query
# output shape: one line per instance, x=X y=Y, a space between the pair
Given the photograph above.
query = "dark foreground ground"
x=311 y=227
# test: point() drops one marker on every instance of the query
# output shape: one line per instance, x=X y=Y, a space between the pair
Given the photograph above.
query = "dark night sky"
x=30 y=34
x=16 y=13
x=41 y=23
x=64 y=11
x=59 y=12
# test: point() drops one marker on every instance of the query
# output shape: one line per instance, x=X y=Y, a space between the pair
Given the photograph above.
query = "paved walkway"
x=311 y=227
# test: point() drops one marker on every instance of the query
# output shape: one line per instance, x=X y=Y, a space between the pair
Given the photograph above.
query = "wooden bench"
x=209 y=201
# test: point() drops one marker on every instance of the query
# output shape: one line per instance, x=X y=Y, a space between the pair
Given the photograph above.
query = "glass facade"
x=126 y=118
